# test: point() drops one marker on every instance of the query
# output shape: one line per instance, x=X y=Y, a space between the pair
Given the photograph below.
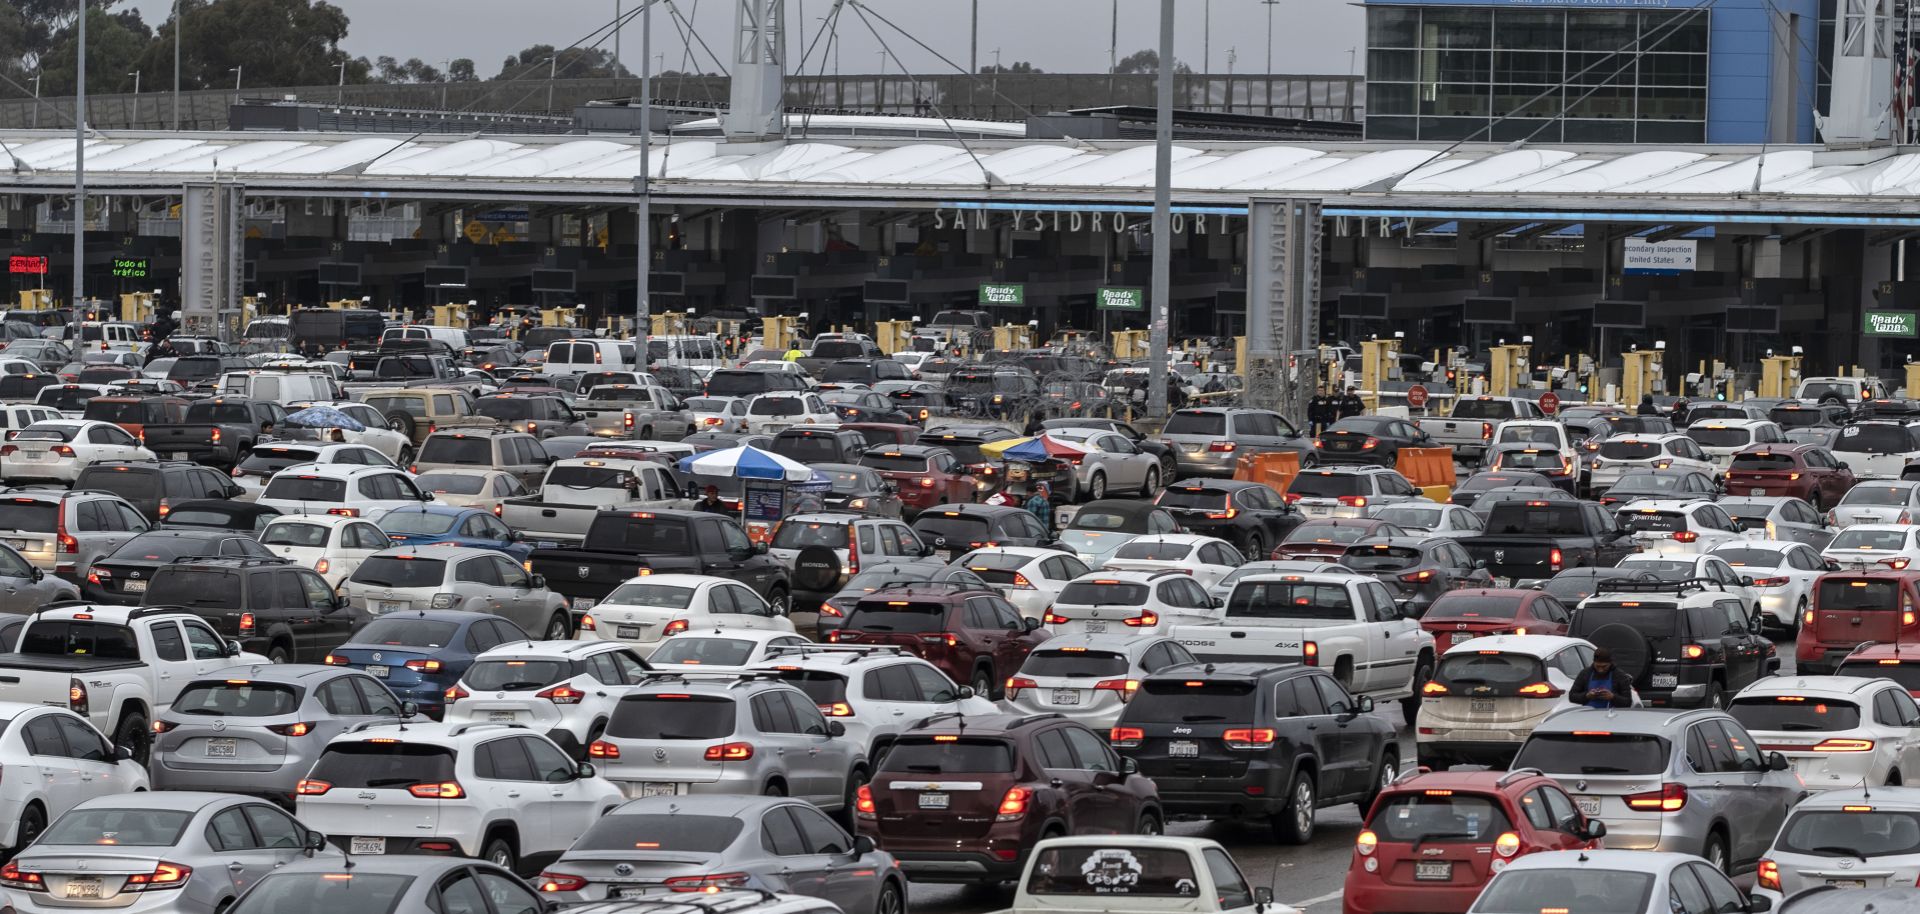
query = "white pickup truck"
x=117 y=666
x=578 y=488
x=1469 y=428
x=1345 y=623
x=1137 y=874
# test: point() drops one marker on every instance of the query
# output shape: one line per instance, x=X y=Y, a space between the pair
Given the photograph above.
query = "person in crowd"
x=1602 y=684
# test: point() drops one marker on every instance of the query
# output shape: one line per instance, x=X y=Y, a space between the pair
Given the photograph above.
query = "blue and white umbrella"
x=746 y=462
x=325 y=417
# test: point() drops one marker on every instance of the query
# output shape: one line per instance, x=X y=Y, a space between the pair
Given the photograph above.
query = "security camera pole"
x=1162 y=223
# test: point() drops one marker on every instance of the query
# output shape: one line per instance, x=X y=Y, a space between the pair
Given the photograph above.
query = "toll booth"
x=777 y=332
x=1779 y=374
x=450 y=316
x=1378 y=359
x=346 y=303
x=669 y=323
x=893 y=336
x=1012 y=336
x=1240 y=356
x=1129 y=344
x=1509 y=367
x=136 y=307
x=556 y=317
x=1641 y=374
x=36 y=299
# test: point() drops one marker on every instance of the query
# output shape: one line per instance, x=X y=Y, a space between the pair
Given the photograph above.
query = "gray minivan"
x=1208 y=441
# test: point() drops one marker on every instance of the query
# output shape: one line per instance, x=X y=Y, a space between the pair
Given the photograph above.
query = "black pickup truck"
x=622 y=544
x=219 y=431
x=1535 y=540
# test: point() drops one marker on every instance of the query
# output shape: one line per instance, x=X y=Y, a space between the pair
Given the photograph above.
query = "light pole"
x=880 y=93
x=341 y=99
x=994 y=102
x=1162 y=283
x=553 y=72
x=643 y=304
x=176 y=64
x=446 y=75
x=973 y=47
x=80 y=169
x=36 y=101
x=238 y=73
x=1270 y=4
x=136 y=95
x=617 y=23
x=1206 y=38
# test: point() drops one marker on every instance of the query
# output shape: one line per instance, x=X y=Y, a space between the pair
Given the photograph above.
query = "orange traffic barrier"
x=1276 y=470
x=1428 y=468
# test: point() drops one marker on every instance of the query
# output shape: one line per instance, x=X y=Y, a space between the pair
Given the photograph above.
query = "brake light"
x=444 y=790
x=675 y=627
x=1255 y=738
x=600 y=748
x=311 y=788
x=1669 y=798
x=11 y=877
x=947 y=638
x=1768 y=875
x=335 y=660
x=1354 y=501
x=1126 y=737
x=246 y=622
x=561 y=882
x=68 y=544
x=1769 y=582
x=863 y=801
x=1365 y=844
x=344 y=512
x=9 y=450
x=1806 y=618
x=1897 y=565
x=730 y=752
x=1415 y=577
x=1540 y=690
x=1311 y=652
x=1147 y=619
x=323 y=566
x=1694 y=651
x=300 y=729
x=1124 y=687
x=1016 y=683
x=77 y=696
x=1433 y=688
x=709 y=883
x=1685 y=536
x=1222 y=447
x=853 y=553
x=161 y=726
x=1054 y=618
x=1228 y=514
x=1844 y=745
x=1014 y=804
x=1507 y=844
x=1020 y=581
x=1555 y=558
x=215 y=437
x=837 y=709
x=1486 y=431
x=627 y=420
x=424 y=666
x=1370 y=443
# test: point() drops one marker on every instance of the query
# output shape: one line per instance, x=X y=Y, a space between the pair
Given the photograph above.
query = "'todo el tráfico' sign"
x=1888 y=323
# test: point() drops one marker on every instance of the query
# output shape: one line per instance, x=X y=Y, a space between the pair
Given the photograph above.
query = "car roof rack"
x=1680 y=587
x=733 y=679
x=1516 y=774
x=853 y=652
x=242 y=561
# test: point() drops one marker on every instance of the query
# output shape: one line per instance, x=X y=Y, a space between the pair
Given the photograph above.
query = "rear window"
x=418 y=523
x=1856 y=594
x=237 y=699
x=1856 y=538
x=1483 y=409
x=121 y=411
x=375 y=763
x=1797 y=418
x=656 y=832
x=737 y=383
x=267 y=461
x=1075 y=663
x=658 y=716
x=897 y=616
x=887 y=462
x=1765 y=463
x=294 y=533
x=1751 y=558
x=1592 y=753
x=1193 y=499
x=1381 y=558
x=776 y=406
x=1709 y=436
x=28 y=515
x=1328 y=533
x=826 y=689
x=407 y=633
x=1652 y=521
x=1488 y=608
x=703 y=651
x=802 y=535
x=1877 y=495
x=1795 y=713
x=1440 y=816
x=1496 y=669
x=1629 y=450
x=448 y=483
x=958 y=528
x=515 y=675
x=1584 y=891
x=811 y=448
x=646 y=535
x=134 y=485
x=1904 y=672
x=118 y=827
x=80 y=639
x=199 y=588
x=218 y=413
x=305 y=488
x=1090 y=869
x=1326 y=485
x=459 y=450
x=645 y=593
x=1866 y=832
x=1290 y=600
x=1103 y=593
x=1510 y=518
x=1214 y=424
x=1874 y=439
x=936 y=755
x=400 y=571
x=509 y=408
x=163 y=546
x=1177 y=701
x=1152 y=551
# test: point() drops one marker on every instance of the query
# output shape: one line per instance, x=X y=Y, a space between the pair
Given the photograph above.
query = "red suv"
x=1851 y=608
x=1432 y=841
x=963 y=800
x=926 y=476
x=1462 y=615
x=1804 y=471
x=974 y=636
x=1884 y=661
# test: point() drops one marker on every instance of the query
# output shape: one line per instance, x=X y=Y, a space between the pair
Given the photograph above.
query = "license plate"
x=1756 y=492
x=935 y=800
x=1066 y=696
x=659 y=789
x=583 y=602
x=1665 y=680
x=1440 y=871
x=500 y=717
x=632 y=892
x=378 y=672
x=179 y=455
x=1836 y=883
x=136 y=587
x=1096 y=626
x=629 y=632
x=1183 y=749
x=366 y=846
x=1503 y=582
x=1480 y=705
x=83 y=888
x=222 y=748
x=1318 y=511
x=1589 y=806
x=17 y=544
x=381 y=607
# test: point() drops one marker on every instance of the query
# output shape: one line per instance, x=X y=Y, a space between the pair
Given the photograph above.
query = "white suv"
x=1624 y=453
x=1679 y=525
x=565 y=689
x=1136 y=602
x=495 y=791
x=875 y=692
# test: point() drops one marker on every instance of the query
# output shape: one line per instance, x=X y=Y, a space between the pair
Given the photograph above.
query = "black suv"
x=1687 y=644
x=956 y=528
x=1252 y=741
x=865 y=372
x=1250 y=515
x=820 y=445
x=153 y=489
x=270 y=606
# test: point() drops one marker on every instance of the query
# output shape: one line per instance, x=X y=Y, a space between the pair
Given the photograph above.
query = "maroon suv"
x=963 y=800
x=1805 y=471
x=972 y=635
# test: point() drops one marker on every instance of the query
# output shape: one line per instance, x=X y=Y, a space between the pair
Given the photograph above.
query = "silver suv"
x=1684 y=781
x=682 y=733
x=457 y=577
x=1210 y=441
x=64 y=533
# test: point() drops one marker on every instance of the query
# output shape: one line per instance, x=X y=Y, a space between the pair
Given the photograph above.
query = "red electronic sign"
x=26 y=264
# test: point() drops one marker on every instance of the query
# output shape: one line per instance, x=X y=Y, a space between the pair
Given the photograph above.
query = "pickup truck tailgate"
x=1230 y=642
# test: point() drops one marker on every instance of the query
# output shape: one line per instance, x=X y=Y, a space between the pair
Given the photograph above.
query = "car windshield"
x=1439 y=816
x=1327 y=485
x=199 y=588
x=1866 y=494
x=449 y=483
x=1577 y=891
x=376 y=763
x=1856 y=831
x=403 y=632
x=107 y=826
x=1466 y=606
x=305 y=488
x=400 y=571
x=949 y=755
x=669 y=833
x=1857 y=538
x=703 y=651
x=663 y=716
x=1794 y=713
x=1719 y=435
x=1592 y=752
x=418 y=523
x=237 y=698
x=515 y=675
x=794 y=535
x=1075 y=663
x=644 y=593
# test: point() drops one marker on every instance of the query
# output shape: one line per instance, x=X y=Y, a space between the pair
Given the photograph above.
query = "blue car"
x=420 y=654
x=476 y=527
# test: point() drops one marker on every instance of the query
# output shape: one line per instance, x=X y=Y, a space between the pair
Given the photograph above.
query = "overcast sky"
x=1309 y=36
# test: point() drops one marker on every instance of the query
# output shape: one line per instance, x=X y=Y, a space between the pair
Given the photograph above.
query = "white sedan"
x=1028 y=576
x=330 y=544
x=732 y=649
x=1783 y=573
x=378 y=434
x=1206 y=559
x=717 y=414
x=86 y=767
x=1112 y=464
x=646 y=610
x=1894 y=546
x=58 y=449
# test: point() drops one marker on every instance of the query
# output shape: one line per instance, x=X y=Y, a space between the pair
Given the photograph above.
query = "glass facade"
x=1539 y=75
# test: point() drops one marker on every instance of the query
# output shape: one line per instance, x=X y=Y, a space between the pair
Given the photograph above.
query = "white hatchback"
x=645 y=610
x=330 y=544
x=1624 y=453
x=564 y=689
x=61 y=761
x=1840 y=732
x=1131 y=602
x=1090 y=678
x=1206 y=559
x=1030 y=577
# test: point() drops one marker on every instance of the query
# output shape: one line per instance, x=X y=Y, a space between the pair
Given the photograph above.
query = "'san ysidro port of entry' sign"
x=1003 y=293
x=1888 y=323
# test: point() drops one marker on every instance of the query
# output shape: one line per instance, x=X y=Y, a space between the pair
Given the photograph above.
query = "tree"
x=461 y=70
x=415 y=70
x=115 y=45
x=1020 y=66
x=274 y=42
x=574 y=63
x=1147 y=61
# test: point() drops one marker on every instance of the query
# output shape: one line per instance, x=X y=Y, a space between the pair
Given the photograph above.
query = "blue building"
x=1594 y=71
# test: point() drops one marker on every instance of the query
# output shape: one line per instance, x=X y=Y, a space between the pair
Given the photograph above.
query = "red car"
x=1851 y=608
x=1463 y=615
x=889 y=433
x=974 y=636
x=1432 y=841
x=1328 y=537
x=926 y=476
x=1885 y=661
x=1805 y=471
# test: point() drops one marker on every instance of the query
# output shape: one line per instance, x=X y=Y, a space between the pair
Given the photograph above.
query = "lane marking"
x=1330 y=896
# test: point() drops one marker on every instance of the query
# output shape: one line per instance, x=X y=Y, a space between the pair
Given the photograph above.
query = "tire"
x=855 y=778
x=33 y=822
x=279 y=654
x=404 y=424
x=134 y=734
x=891 y=900
x=406 y=456
x=1152 y=484
x=1631 y=652
x=1256 y=547
x=1716 y=696
x=1410 y=705
x=774 y=789
x=646 y=433
x=778 y=599
x=559 y=628
x=1097 y=486
x=1716 y=854
x=499 y=852
x=1382 y=780
x=1294 y=824
x=1799 y=612
x=1150 y=824
x=983 y=682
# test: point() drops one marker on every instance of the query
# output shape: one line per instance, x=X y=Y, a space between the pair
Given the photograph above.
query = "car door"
x=1004 y=632
x=751 y=612
x=780 y=733
x=829 y=759
x=1357 y=745
x=847 y=883
x=520 y=602
x=1724 y=784
x=572 y=802
x=803 y=871
x=1722 y=896
x=1744 y=651
x=58 y=782
x=92 y=757
x=234 y=844
x=206 y=652
x=1112 y=804
x=277 y=836
x=1064 y=774
x=508 y=780
x=1301 y=717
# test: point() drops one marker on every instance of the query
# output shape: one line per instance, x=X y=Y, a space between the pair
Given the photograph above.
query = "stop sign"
x=1549 y=403
x=1417 y=397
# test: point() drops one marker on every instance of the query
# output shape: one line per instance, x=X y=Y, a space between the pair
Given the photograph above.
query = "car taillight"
x=1507 y=844
x=1365 y=844
x=675 y=627
x=1255 y=738
x=709 y=883
x=1124 y=687
x=561 y=882
x=627 y=420
x=603 y=749
x=1541 y=690
x=77 y=696
x=344 y=512
x=1310 y=652
x=424 y=666
x=828 y=609
x=1054 y=618
x=1354 y=501
x=1895 y=564
x=1693 y=651
x=215 y=437
x=863 y=801
x=10 y=449
x=1669 y=798
x=1222 y=447
x=837 y=709
x=1844 y=745
x=1126 y=737
x=1806 y=618
x=1486 y=431
x=1768 y=875
x=1147 y=619
x=1685 y=536
x=443 y=790
x=947 y=638
x=1016 y=683
x=300 y=729
x=1415 y=577
x=246 y=622
x=562 y=695
x=1228 y=514
x=1020 y=582
x=1769 y=582
x=730 y=752
x=1370 y=443
x=309 y=787
x=1555 y=558
x=161 y=726
x=1433 y=688
x=1014 y=804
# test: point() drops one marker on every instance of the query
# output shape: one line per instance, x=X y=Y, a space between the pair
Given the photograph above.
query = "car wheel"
x=983 y=682
x=559 y=627
x=499 y=852
x=1799 y=612
x=1150 y=824
x=890 y=901
x=1256 y=547
x=855 y=778
x=774 y=789
x=32 y=822
x=279 y=654
x=646 y=434
x=1097 y=487
x=406 y=456
x=134 y=735
x=1294 y=824
x=1715 y=853
x=1410 y=705
x=1382 y=780
x=777 y=598
x=1716 y=696
x=1153 y=483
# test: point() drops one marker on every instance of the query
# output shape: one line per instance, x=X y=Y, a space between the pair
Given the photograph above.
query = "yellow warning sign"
x=477 y=232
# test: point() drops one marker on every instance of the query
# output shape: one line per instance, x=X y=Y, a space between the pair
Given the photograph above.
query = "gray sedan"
x=206 y=847
x=778 y=844
x=401 y=883
x=24 y=588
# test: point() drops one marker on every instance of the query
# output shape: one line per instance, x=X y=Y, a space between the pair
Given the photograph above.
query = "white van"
x=281 y=387
x=454 y=337
x=570 y=357
x=695 y=352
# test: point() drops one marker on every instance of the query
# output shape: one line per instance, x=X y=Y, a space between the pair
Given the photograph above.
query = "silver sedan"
x=1112 y=464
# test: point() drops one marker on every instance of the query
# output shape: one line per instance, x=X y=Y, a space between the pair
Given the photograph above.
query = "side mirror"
x=1758 y=904
x=1029 y=623
x=233 y=648
x=584 y=770
x=759 y=548
x=1778 y=762
x=836 y=728
x=409 y=709
x=515 y=536
x=862 y=846
x=1366 y=704
x=1129 y=767
x=536 y=582
x=926 y=551
x=1845 y=467
x=316 y=841
x=1746 y=580
x=1263 y=895
x=122 y=754
x=1219 y=602
x=965 y=692
x=1832 y=565
x=1479 y=564
x=37 y=574
x=1594 y=830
